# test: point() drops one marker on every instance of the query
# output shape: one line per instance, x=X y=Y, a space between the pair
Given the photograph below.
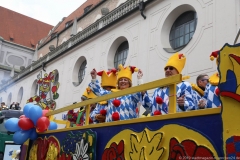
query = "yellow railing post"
x=87 y=114
x=172 y=98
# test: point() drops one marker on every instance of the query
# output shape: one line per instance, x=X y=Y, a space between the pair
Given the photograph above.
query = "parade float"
x=211 y=133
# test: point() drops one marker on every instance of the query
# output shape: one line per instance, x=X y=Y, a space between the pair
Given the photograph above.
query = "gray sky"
x=48 y=11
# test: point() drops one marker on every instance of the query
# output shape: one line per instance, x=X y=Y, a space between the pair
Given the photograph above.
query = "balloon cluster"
x=28 y=125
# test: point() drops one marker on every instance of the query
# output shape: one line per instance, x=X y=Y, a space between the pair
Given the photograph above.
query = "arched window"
x=183 y=29
x=82 y=70
x=121 y=54
x=20 y=95
x=9 y=99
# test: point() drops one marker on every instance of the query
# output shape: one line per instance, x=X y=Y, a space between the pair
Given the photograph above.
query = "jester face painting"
x=47 y=91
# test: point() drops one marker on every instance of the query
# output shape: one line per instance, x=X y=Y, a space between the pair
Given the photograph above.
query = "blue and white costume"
x=127 y=108
x=197 y=94
x=211 y=98
x=97 y=110
x=183 y=88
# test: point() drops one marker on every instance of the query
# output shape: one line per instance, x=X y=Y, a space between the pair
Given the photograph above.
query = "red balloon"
x=44 y=112
x=22 y=116
x=42 y=124
x=25 y=123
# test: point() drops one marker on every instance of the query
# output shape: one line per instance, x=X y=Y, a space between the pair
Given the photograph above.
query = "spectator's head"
x=124 y=76
x=175 y=65
x=202 y=81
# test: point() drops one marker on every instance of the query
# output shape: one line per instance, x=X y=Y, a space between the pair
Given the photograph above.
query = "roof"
x=70 y=19
x=21 y=29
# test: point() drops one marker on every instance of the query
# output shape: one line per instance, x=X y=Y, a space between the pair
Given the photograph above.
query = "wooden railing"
x=171 y=82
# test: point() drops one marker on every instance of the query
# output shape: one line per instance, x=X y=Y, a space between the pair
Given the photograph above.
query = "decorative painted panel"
x=47 y=90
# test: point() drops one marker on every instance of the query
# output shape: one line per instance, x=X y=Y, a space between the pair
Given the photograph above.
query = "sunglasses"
x=170 y=68
x=205 y=80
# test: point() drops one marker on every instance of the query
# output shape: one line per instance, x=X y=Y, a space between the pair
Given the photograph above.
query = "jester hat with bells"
x=214 y=55
x=126 y=72
x=108 y=78
x=177 y=61
x=88 y=94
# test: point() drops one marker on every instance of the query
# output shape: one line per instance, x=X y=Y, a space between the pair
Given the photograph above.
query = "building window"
x=53 y=35
x=81 y=72
x=183 y=29
x=87 y=8
x=121 y=54
x=20 y=95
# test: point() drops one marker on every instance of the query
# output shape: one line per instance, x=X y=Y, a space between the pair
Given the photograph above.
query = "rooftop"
x=21 y=29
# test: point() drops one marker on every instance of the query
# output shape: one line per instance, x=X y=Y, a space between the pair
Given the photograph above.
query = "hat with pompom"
x=177 y=61
x=108 y=78
x=214 y=55
x=89 y=94
x=126 y=72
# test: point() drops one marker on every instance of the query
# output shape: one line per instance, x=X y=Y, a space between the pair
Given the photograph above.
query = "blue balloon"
x=12 y=125
x=26 y=109
x=33 y=134
x=52 y=126
x=35 y=112
x=20 y=137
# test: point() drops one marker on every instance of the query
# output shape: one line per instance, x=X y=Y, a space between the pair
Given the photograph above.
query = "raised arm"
x=95 y=85
x=138 y=97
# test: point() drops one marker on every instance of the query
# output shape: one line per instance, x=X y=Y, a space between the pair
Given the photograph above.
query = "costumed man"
x=199 y=88
x=78 y=118
x=108 y=82
x=120 y=108
x=159 y=102
x=211 y=97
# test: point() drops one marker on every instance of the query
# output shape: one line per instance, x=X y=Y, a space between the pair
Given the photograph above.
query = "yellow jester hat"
x=177 y=61
x=126 y=72
x=108 y=78
x=89 y=94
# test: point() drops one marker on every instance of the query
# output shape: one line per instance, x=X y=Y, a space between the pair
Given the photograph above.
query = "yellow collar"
x=196 y=88
x=115 y=90
x=214 y=79
x=103 y=102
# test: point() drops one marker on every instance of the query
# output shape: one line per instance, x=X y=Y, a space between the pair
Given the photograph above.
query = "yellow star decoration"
x=146 y=148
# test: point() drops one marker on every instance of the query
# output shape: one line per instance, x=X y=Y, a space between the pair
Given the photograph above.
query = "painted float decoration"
x=80 y=145
x=210 y=136
x=47 y=90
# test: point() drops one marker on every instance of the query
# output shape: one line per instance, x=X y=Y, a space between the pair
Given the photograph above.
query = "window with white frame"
x=82 y=70
x=121 y=54
x=183 y=29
